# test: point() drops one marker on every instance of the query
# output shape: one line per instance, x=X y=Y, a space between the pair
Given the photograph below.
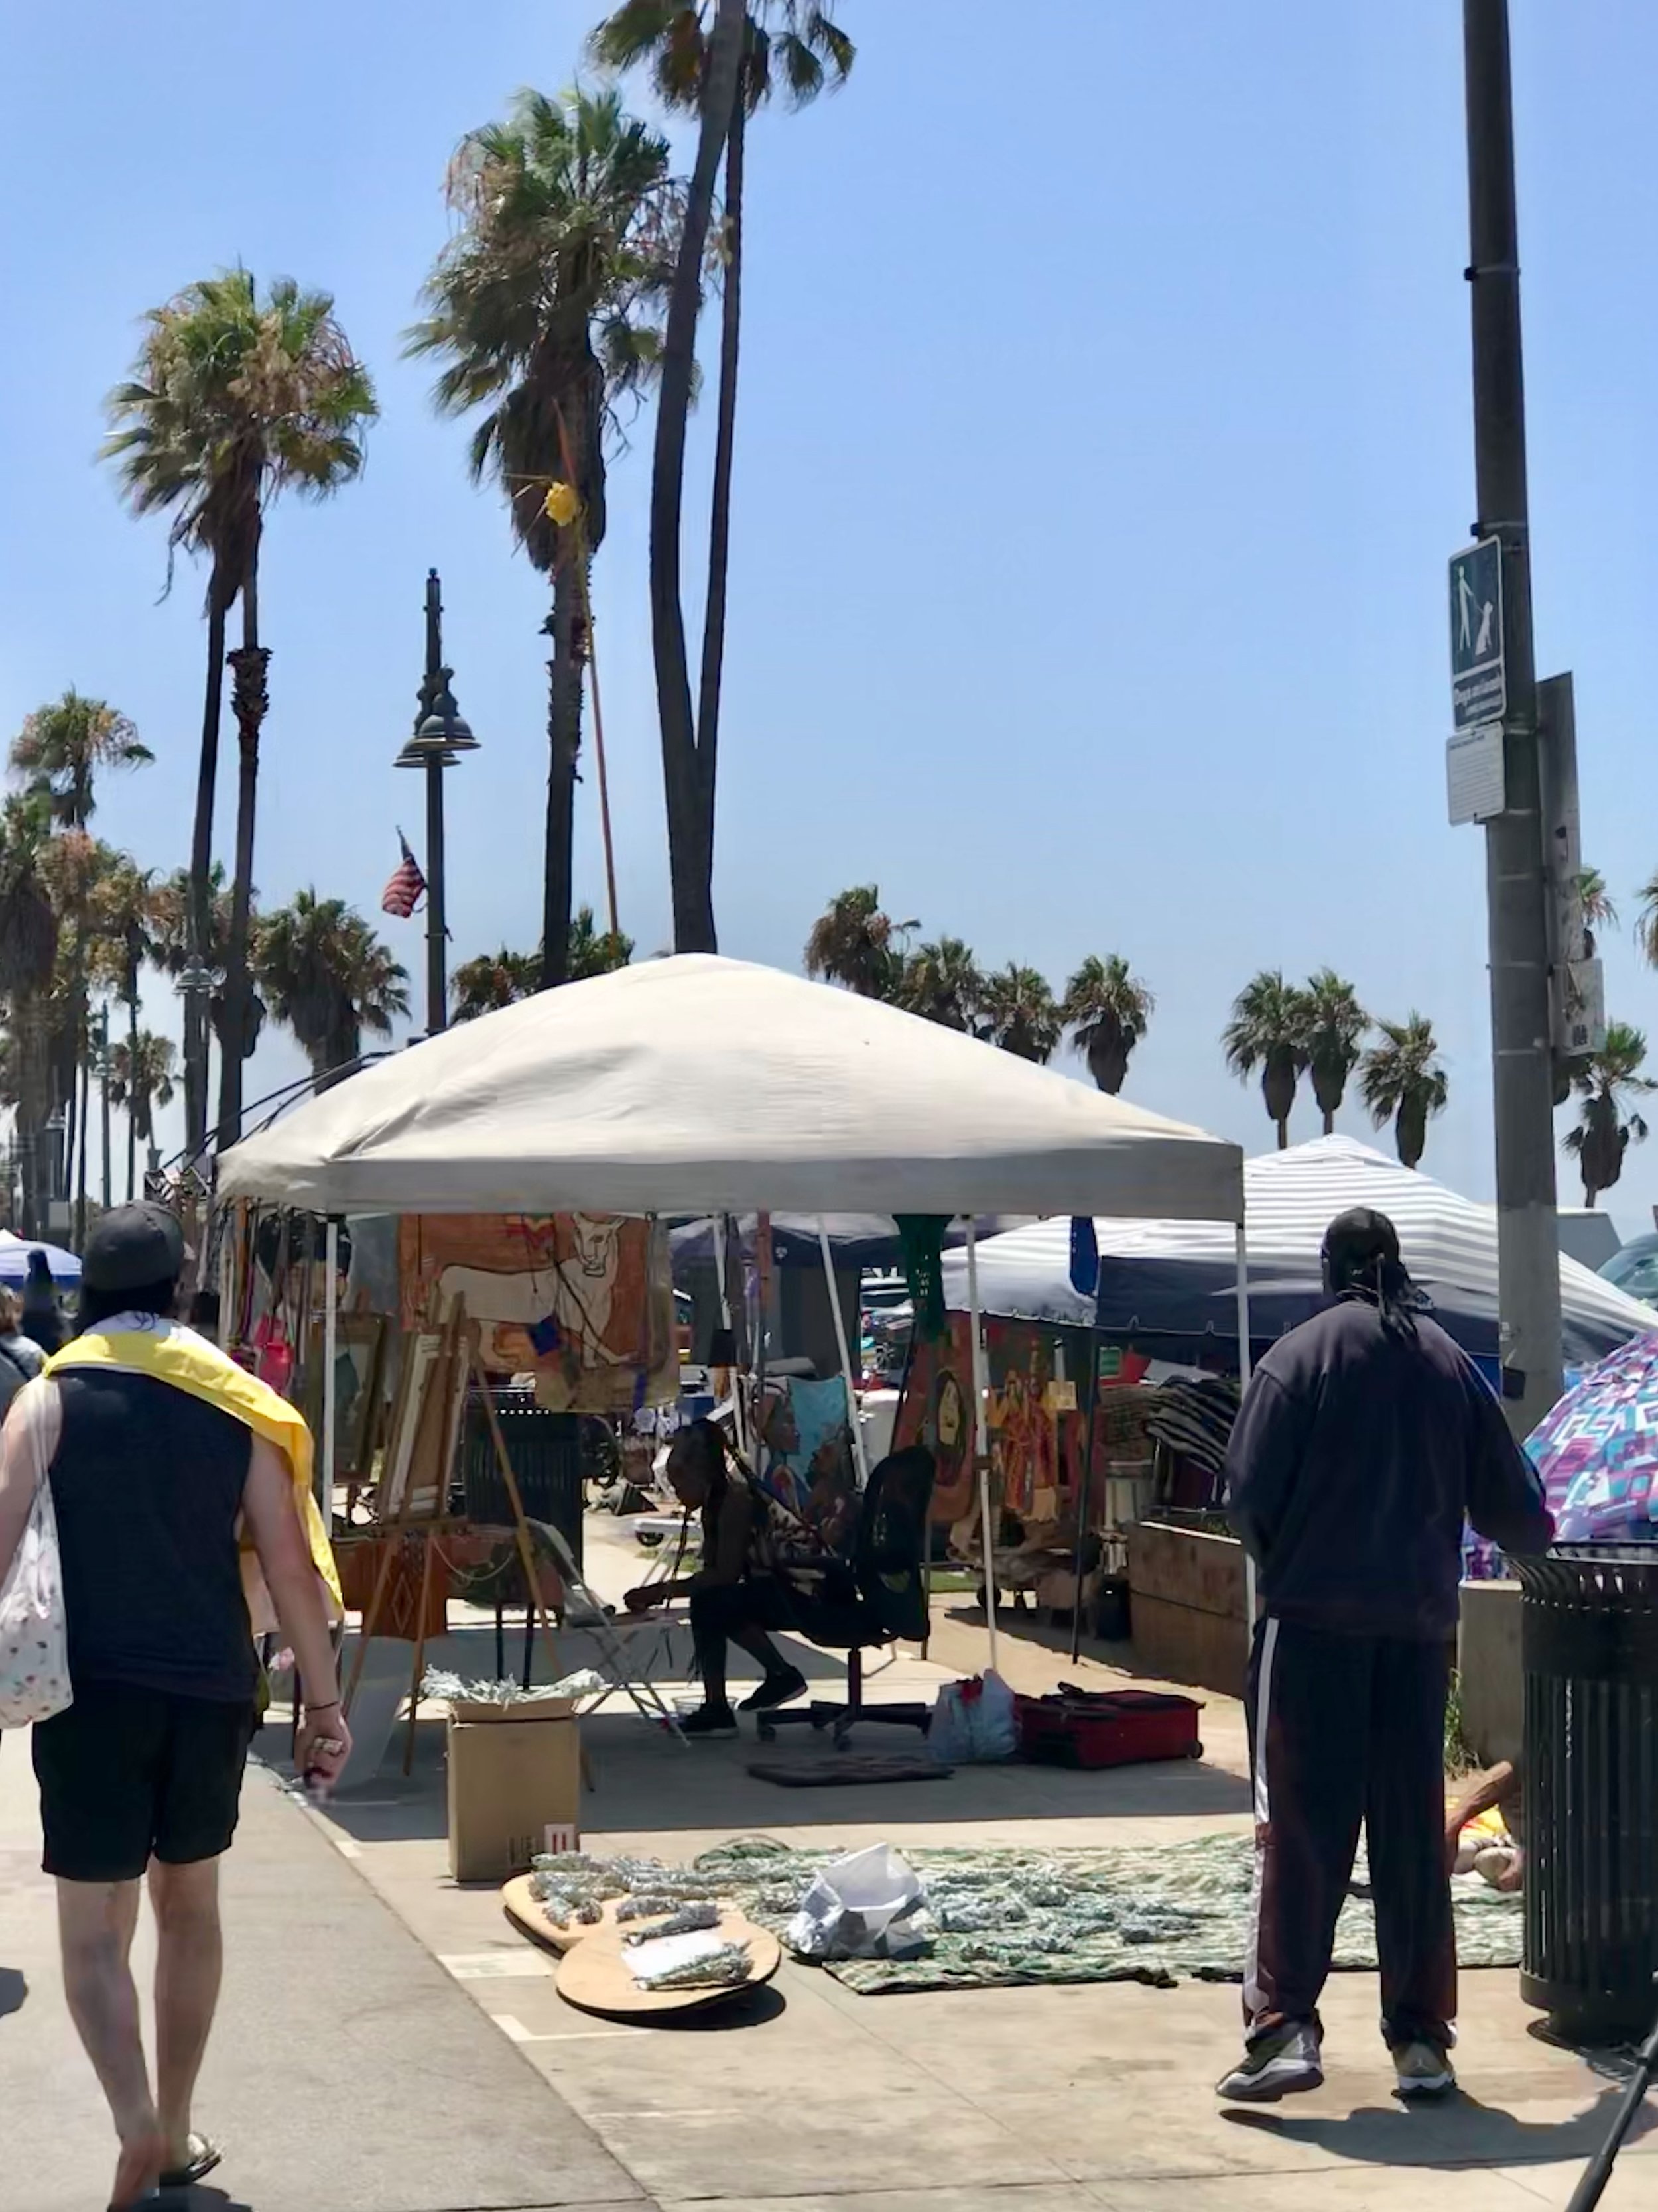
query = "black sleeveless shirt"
x=147 y=1482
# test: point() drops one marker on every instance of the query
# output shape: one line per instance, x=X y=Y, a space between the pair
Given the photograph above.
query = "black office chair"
x=888 y=1566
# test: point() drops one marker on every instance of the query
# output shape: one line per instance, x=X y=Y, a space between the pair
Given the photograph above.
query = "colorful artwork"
x=581 y=1301
x=809 y=1458
x=1035 y=1449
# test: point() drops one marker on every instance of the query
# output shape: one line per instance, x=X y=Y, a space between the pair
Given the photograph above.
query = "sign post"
x=1479 y=675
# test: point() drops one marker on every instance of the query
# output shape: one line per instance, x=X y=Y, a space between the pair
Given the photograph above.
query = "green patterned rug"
x=1155 y=1913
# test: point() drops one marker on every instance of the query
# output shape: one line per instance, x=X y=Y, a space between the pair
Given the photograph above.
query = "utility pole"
x=1517 y=891
x=103 y=1078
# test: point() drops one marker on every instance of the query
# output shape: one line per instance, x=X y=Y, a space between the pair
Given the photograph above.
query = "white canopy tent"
x=699 y=1085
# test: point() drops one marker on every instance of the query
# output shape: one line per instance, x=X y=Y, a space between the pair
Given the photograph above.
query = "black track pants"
x=1345 y=1729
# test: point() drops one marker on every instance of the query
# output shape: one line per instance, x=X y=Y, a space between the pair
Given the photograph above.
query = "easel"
x=420 y=1442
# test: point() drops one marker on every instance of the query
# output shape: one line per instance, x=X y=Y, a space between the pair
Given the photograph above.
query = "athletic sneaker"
x=1278 y=2066
x=776 y=1690
x=708 y=1723
x=1424 y=2070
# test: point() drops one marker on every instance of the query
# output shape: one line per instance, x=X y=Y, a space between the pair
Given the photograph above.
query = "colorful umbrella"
x=1597 y=1452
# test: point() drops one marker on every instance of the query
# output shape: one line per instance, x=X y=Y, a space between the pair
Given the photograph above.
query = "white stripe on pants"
x=1252 y=1990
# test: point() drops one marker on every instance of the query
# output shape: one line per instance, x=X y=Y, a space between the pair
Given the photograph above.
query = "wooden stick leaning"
x=520 y=1523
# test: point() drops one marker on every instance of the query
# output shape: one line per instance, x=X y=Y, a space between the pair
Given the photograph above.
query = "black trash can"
x=1589 y=1647
x=546 y=1452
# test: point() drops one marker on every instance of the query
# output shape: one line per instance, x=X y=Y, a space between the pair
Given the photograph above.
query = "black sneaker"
x=709 y=1723
x=1279 y=2066
x=776 y=1690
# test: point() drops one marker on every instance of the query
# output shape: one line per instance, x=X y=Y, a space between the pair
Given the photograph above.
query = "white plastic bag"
x=868 y=1904
x=33 y=1645
x=974 y=1723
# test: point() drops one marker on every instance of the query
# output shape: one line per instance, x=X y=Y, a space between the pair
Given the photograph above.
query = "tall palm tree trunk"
x=249 y=700
x=133 y=1092
x=689 y=803
x=719 y=522
x=199 y=929
x=80 y=1156
x=563 y=747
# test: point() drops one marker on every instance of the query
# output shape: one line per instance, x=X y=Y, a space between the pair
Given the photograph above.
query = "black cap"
x=132 y=1246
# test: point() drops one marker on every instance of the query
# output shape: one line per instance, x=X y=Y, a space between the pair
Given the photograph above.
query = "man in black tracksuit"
x=1365 y=1439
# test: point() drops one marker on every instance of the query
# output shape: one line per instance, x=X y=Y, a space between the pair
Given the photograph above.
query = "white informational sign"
x=1583 y=1009
x=1475 y=778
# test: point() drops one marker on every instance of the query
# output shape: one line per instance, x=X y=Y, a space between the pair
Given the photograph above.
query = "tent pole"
x=855 y=1425
x=718 y=1226
x=330 y=1346
x=981 y=1438
x=1084 y=1484
x=1244 y=1369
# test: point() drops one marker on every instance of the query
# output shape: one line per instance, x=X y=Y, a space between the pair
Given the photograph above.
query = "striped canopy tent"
x=1169 y=1285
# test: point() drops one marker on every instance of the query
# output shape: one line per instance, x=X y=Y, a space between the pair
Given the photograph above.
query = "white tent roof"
x=697 y=1084
x=1449 y=1244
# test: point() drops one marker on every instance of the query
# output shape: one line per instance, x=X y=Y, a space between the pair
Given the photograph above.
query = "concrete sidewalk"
x=349 y=2073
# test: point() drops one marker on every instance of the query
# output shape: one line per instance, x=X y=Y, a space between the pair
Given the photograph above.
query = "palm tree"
x=1108 y=1010
x=1269 y=1030
x=234 y=400
x=1021 y=1014
x=172 y=929
x=1606 y=1081
x=544 y=306
x=126 y=915
x=140 y=1081
x=1402 y=1081
x=595 y=952
x=724 y=60
x=1599 y=911
x=28 y=960
x=61 y=747
x=1336 y=1023
x=501 y=979
x=328 y=978
x=851 y=942
x=940 y=983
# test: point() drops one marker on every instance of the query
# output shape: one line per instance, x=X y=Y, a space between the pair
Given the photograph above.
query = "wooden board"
x=594 y=1974
x=529 y=1916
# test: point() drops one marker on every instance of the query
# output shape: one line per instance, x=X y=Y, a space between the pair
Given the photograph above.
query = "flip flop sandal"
x=204 y=2155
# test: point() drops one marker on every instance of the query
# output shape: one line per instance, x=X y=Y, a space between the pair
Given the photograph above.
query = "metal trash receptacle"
x=1589 y=1651
x=546 y=1452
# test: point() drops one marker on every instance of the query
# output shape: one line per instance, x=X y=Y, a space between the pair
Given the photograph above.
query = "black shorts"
x=128 y=1774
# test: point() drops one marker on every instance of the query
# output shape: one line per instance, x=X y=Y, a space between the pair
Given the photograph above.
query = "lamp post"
x=441 y=736
x=196 y=985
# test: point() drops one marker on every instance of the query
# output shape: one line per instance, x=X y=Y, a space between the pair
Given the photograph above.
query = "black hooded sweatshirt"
x=1359 y=1450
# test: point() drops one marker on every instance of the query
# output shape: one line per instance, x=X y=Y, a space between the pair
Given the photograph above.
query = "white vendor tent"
x=697 y=1085
x=1173 y=1280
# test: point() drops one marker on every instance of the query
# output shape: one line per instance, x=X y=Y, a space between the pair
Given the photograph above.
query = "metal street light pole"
x=441 y=735
x=1528 y=1268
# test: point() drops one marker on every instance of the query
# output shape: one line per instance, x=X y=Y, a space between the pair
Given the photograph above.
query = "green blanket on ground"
x=1156 y=1913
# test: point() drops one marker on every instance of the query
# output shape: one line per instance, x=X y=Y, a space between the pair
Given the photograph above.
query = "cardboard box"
x=514 y=1791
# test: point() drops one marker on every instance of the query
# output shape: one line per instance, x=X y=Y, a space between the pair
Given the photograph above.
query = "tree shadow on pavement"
x=1459 y=2131
x=14 y=1990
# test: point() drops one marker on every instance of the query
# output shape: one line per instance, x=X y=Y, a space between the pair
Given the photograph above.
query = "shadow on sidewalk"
x=14 y=1990
x=1459 y=2132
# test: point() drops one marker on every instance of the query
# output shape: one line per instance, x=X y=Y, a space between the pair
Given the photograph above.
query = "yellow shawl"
x=177 y=1355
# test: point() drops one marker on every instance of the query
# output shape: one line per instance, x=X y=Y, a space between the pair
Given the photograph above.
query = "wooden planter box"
x=1187 y=1606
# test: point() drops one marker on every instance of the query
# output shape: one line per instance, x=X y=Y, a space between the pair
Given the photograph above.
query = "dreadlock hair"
x=1362 y=1261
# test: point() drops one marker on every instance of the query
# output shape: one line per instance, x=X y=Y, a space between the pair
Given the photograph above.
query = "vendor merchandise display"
x=1156 y=1914
x=437 y=1682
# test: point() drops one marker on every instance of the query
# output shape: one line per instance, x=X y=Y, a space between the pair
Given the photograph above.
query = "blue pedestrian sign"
x=1479 y=681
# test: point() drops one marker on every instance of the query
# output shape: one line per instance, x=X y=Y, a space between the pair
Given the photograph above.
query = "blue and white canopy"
x=1175 y=1282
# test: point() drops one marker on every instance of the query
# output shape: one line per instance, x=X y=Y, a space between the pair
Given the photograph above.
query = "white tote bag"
x=33 y=1639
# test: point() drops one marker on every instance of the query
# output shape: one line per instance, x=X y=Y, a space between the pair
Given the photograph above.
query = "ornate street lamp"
x=441 y=736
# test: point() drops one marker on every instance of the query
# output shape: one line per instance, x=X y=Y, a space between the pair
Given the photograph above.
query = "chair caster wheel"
x=765 y=1731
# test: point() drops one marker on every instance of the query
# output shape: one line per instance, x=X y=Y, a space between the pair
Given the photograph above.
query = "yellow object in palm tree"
x=562 y=505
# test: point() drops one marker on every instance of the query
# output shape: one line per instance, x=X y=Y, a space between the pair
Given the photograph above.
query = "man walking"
x=160 y=1453
x=1365 y=1439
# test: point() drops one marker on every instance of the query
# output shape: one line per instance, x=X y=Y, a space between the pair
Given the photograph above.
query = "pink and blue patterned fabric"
x=1597 y=1452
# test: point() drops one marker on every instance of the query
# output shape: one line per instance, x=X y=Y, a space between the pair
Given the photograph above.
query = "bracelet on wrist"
x=332 y=1705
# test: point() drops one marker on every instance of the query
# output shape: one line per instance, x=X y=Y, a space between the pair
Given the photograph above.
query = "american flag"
x=405 y=887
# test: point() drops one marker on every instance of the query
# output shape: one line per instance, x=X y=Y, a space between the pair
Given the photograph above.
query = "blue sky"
x=1105 y=425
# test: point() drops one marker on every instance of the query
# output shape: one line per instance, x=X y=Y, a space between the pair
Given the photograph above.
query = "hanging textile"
x=922 y=1236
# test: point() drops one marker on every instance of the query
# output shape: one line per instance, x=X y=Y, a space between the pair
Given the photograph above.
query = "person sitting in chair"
x=760 y=1571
